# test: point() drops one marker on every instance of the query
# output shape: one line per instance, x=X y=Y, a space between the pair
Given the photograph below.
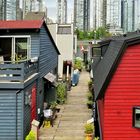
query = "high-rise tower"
x=114 y=14
x=8 y=9
x=62 y=11
x=33 y=6
x=130 y=15
x=82 y=14
x=99 y=13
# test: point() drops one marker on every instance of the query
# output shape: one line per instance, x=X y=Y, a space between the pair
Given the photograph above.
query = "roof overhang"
x=50 y=77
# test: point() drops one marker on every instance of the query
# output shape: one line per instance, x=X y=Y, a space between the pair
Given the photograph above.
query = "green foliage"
x=53 y=105
x=96 y=138
x=31 y=136
x=78 y=63
x=90 y=85
x=89 y=128
x=101 y=32
x=90 y=104
x=61 y=92
x=90 y=96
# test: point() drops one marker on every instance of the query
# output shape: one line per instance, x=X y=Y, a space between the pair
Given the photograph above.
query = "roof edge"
x=126 y=42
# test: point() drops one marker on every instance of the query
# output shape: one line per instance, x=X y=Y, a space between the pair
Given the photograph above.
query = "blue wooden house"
x=27 y=55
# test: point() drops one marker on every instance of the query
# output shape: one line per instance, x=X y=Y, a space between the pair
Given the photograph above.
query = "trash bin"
x=75 y=77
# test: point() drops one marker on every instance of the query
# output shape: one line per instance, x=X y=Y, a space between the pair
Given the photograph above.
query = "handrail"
x=17 y=72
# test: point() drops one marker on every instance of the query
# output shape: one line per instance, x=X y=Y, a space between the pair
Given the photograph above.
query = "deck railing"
x=17 y=72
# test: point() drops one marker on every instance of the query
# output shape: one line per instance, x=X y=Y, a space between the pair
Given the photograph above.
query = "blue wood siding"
x=48 y=59
x=20 y=99
x=10 y=115
x=35 y=45
x=40 y=95
x=27 y=120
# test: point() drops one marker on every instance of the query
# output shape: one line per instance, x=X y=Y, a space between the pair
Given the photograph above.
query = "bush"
x=90 y=96
x=78 y=63
x=89 y=128
x=96 y=138
x=90 y=85
x=31 y=136
x=90 y=104
x=61 y=92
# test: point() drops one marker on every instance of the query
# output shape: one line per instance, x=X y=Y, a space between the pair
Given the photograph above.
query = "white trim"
x=13 y=49
x=16 y=36
x=13 y=37
x=28 y=48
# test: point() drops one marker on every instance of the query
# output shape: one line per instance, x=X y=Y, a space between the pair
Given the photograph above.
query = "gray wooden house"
x=27 y=54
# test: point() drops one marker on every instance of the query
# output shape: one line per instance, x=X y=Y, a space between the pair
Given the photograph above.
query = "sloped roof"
x=106 y=66
x=21 y=24
x=26 y=24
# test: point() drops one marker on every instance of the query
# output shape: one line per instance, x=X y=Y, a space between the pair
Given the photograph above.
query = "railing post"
x=22 y=71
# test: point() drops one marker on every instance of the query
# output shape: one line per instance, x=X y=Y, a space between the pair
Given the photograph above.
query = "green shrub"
x=89 y=128
x=90 y=96
x=31 y=136
x=61 y=92
x=78 y=63
x=90 y=104
x=53 y=105
x=96 y=138
x=90 y=85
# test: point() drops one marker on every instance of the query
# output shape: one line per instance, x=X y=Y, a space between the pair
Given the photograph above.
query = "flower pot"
x=89 y=136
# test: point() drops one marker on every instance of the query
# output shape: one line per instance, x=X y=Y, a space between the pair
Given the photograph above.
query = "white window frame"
x=13 y=37
x=134 y=116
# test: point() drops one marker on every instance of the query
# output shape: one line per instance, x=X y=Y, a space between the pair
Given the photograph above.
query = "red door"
x=33 y=103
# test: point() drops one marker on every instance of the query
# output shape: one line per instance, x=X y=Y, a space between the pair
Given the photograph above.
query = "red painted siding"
x=122 y=94
x=101 y=114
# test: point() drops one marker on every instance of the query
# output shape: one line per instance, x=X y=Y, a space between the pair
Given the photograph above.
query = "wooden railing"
x=12 y=72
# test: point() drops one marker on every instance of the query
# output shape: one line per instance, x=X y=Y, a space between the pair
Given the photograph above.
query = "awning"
x=50 y=77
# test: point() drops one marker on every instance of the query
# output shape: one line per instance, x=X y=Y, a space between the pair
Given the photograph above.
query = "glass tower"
x=8 y=9
x=82 y=14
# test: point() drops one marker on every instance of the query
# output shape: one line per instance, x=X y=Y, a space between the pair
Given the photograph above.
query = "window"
x=64 y=30
x=15 y=48
x=21 y=49
x=136 y=117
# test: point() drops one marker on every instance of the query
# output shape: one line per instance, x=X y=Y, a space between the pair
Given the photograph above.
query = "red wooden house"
x=117 y=89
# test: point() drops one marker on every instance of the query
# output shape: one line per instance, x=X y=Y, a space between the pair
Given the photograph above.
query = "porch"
x=19 y=73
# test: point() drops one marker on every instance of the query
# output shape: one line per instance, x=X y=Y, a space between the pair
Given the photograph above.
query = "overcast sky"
x=52 y=7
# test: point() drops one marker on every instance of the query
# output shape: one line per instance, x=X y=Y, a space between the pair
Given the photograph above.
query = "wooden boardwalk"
x=69 y=124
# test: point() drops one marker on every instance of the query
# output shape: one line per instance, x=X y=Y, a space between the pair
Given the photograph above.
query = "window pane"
x=6 y=48
x=137 y=118
x=20 y=49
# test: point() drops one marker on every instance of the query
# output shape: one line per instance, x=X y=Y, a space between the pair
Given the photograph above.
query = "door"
x=33 y=103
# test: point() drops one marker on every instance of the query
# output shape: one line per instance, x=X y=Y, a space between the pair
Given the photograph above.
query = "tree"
x=101 y=32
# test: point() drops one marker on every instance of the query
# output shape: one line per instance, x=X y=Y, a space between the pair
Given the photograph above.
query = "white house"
x=66 y=41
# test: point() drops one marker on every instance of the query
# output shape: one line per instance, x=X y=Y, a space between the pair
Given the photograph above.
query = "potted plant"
x=61 y=93
x=89 y=131
x=31 y=136
x=90 y=104
x=53 y=106
x=90 y=85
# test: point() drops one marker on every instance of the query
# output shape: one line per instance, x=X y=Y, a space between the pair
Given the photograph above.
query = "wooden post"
x=35 y=125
